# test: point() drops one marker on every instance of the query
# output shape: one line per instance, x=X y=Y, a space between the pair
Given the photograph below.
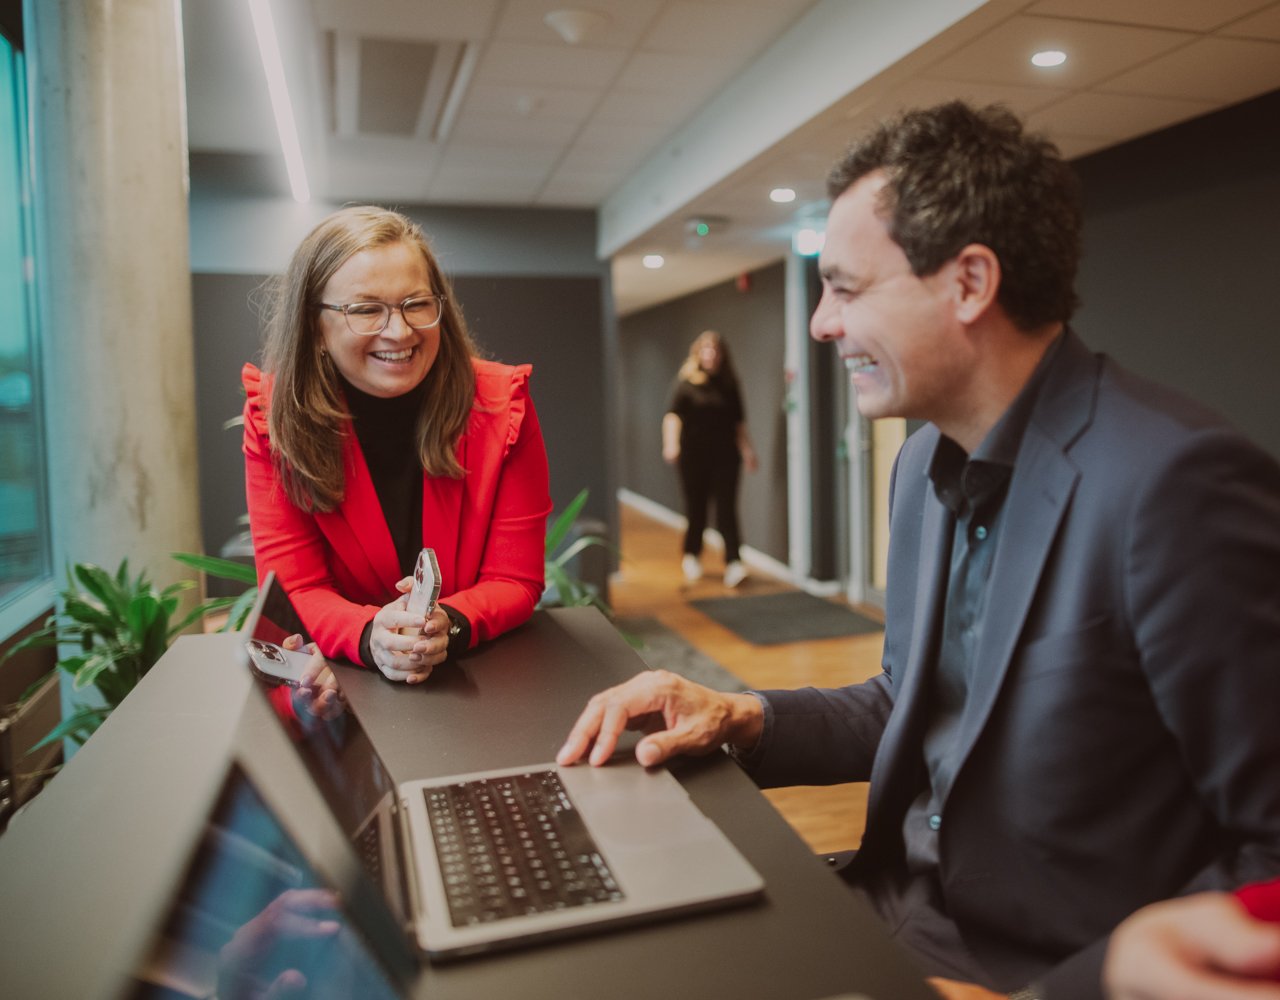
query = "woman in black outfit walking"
x=704 y=434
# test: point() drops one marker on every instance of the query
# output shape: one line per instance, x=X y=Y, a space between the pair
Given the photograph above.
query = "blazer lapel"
x=1044 y=479
x=358 y=530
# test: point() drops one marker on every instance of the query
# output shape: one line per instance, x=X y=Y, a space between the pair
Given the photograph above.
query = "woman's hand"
x=318 y=692
x=406 y=647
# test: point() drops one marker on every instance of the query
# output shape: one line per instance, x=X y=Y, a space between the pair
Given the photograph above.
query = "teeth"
x=394 y=355
x=859 y=362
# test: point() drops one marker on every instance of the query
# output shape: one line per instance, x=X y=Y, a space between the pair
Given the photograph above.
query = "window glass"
x=24 y=534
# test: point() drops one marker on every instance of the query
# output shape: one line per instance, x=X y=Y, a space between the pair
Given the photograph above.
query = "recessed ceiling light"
x=653 y=261
x=1049 y=57
x=782 y=195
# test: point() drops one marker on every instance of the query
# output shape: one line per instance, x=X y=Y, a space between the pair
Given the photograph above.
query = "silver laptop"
x=481 y=861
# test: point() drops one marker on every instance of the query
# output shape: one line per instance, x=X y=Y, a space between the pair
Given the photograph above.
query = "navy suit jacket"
x=1121 y=741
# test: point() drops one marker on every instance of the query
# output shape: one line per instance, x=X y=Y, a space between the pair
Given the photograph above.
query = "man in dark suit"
x=1077 y=711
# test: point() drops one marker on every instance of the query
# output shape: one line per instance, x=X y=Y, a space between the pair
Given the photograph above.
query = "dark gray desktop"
x=108 y=854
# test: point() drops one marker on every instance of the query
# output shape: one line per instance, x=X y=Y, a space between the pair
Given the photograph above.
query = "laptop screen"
x=252 y=918
x=334 y=746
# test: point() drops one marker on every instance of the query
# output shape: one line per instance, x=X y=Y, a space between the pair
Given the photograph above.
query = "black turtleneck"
x=386 y=430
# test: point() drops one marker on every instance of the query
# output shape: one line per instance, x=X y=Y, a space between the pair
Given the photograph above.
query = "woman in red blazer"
x=374 y=430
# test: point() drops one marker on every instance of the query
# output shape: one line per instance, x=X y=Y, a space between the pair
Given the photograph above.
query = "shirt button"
x=980 y=532
x=935 y=822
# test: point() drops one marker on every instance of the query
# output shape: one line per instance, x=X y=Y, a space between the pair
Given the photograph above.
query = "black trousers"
x=711 y=478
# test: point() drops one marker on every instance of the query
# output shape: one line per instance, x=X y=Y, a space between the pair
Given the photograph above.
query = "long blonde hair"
x=691 y=369
x=307 y=415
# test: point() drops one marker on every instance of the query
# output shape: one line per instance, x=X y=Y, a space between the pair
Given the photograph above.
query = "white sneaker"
x=692 y=568
x=734 y=573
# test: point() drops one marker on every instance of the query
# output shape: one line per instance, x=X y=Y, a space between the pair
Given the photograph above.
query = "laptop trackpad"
x=643 y=810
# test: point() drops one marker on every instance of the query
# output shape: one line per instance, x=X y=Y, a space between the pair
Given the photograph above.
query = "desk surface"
x=510 y=702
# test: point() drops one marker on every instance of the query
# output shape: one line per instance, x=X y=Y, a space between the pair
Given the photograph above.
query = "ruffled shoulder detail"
x=502 y=388
x=257 y=398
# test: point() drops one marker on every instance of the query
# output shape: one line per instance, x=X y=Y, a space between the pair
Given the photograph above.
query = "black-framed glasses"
x=368 y=319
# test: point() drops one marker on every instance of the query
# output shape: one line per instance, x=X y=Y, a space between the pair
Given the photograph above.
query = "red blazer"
x=488 y=528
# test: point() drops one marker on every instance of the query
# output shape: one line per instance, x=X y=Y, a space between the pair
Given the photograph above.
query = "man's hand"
x=680 y=716
x=1201 y=947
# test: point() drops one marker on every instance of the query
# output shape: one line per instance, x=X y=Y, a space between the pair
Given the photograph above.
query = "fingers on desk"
x=609 y=713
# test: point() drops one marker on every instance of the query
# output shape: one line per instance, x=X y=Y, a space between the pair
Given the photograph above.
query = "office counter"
x=509 y=702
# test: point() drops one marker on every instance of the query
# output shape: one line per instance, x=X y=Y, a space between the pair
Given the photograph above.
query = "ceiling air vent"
x=392 y=87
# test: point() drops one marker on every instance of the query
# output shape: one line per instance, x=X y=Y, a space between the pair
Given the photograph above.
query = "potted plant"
x=564 y=589
x=116 y=626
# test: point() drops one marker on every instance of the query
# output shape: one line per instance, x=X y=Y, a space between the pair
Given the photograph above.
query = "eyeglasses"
x=368 y=319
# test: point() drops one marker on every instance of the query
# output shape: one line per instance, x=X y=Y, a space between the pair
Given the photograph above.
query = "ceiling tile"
x=408 y=19
x=1264 y=24
x=700 y=29
x=1218 y=69
x=669 y=73
x=534 y=103
x=524 y=133
x=519 y=63
x=522 y=21
x=925 y=92
x=1115 y=116
x=1094 y=52
x=638 y=107
x=1187 y=15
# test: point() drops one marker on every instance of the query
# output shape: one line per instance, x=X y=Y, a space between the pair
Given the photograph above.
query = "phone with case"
x=275 y=663
x=426 y=588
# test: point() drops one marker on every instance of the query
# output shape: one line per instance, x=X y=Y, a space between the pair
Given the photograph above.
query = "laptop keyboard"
x=513 y=846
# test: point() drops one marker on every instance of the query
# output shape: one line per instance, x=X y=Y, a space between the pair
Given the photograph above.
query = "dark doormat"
x=791 y=616
x=663 y=649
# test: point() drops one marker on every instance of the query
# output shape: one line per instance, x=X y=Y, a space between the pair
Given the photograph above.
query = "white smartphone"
x=426 y=587
x=276 y=663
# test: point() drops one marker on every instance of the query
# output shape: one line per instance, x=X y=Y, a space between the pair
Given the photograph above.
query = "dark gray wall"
x=1181 y=272
x=559 y=323
x=652 y=344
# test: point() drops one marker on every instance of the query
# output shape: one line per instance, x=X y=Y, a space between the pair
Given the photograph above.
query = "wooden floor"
x=649 y=582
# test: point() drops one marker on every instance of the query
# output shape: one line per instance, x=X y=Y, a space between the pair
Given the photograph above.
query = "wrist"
x=746 y=723
x=459 y=632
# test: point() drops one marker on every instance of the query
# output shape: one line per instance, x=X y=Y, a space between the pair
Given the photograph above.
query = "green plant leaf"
x=79 y=726
x=91 y=666
x=585 y=542
x=111 y=593
x=240 y=611
x=35 y=686
x=556 y=534
x=224 y=569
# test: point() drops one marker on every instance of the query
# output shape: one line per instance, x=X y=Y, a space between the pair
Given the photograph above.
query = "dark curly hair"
x=958 y=175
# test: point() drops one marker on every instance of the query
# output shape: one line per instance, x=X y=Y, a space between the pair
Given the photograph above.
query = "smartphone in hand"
x=277 y=664
x=426 y=587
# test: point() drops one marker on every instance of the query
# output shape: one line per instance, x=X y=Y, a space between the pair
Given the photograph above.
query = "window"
x=25 y=585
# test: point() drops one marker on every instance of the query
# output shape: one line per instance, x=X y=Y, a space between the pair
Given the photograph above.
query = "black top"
x=709 y=413
x=387 y=431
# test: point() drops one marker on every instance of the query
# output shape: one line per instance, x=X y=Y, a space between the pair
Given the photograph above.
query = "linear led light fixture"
x=269 y=46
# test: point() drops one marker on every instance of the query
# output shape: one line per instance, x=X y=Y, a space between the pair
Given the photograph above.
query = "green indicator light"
x=703 y=229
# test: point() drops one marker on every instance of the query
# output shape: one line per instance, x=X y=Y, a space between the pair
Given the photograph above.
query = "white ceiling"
x=673 y=109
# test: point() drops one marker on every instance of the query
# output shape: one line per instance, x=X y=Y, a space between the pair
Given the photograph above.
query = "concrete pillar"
x=109 y=123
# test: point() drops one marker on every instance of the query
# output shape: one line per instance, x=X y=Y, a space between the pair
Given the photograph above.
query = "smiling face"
x=396 y=360
x=906 y=354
